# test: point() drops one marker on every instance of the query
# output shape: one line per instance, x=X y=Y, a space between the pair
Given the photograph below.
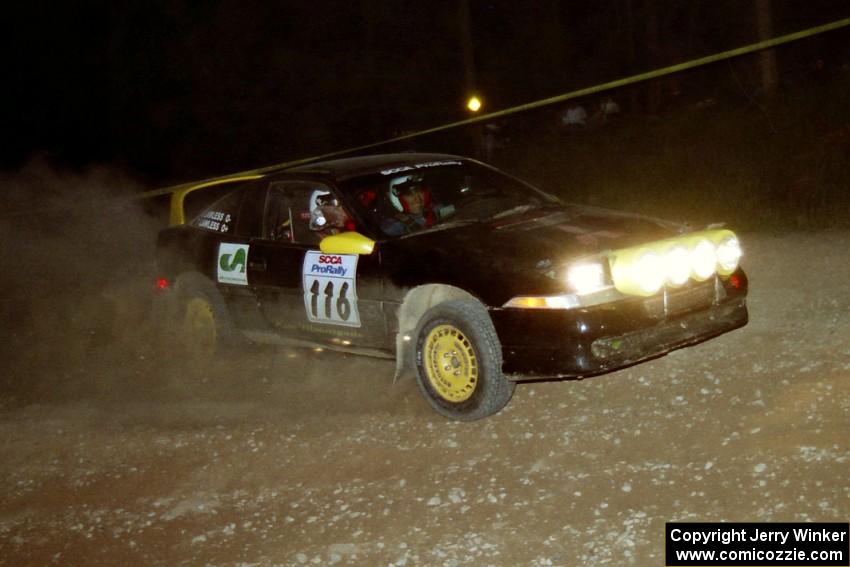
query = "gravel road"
x=112 y=455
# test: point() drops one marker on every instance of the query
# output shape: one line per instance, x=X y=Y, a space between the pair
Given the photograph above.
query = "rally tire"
x=458 y=361
x=201 y=321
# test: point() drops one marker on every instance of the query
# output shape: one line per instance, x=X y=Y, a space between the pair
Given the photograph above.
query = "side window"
x=250 y=221
x=291 y=208
x=221 y=216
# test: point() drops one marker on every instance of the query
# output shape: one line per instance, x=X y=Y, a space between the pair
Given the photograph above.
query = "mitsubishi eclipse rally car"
x=469 y=278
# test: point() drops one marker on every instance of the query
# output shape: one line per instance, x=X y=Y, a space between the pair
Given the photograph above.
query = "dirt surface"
x=115 y=453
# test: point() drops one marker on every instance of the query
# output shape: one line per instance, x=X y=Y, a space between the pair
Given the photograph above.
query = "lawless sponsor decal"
x=232 y=260
x=215 y=220
x=330 y=288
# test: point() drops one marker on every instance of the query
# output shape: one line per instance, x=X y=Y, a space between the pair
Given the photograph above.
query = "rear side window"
x=221 y=216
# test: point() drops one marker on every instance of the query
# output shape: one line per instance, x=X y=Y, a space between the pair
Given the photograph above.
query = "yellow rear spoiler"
x=177 y=214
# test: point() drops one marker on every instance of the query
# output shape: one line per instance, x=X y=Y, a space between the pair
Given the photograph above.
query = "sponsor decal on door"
x=330 y=288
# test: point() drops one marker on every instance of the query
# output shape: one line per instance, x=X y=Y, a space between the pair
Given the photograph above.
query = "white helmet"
x=320 y=198
x=393 y=192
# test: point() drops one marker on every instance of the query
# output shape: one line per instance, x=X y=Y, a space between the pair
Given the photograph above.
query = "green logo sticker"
x=232 y=262
x=229 y=262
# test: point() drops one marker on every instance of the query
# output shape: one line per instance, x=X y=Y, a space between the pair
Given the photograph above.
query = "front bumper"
x=582 y=342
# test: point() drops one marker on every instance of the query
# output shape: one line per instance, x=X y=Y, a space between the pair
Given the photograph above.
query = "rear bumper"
x=584 y=342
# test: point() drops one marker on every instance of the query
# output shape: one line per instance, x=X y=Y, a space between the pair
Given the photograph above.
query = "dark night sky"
x=172 y=90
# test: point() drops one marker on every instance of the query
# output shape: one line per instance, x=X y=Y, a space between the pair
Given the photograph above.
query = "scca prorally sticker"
x=416 y=166
x=330 y=288
x=232 y=263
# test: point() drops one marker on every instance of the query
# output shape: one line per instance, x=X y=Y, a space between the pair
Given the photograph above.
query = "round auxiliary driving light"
x=703 y=260
x=677 y=265
x=648 y=272
x=728 y=255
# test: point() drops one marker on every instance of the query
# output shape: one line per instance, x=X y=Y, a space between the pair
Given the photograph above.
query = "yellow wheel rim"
x=199 y=329
x=450 y=363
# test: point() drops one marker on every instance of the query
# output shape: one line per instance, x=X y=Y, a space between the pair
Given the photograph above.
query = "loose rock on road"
x=287 y=458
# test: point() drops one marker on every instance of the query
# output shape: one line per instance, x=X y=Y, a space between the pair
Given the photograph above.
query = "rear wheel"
x=459 y=361
x=198 y=327
x=201 y=319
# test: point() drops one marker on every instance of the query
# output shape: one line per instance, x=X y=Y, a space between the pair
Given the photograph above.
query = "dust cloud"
x=77 y=255
x=77 y=310
x=118 y=451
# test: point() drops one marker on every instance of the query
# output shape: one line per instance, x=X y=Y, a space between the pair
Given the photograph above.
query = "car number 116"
x=330 y=290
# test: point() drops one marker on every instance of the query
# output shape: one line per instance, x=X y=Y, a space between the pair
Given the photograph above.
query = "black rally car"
x=466 y=276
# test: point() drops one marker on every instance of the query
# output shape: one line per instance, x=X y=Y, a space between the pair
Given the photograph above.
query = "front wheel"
x=459 y=361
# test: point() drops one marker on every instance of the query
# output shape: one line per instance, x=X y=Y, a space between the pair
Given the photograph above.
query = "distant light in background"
x=474 y=103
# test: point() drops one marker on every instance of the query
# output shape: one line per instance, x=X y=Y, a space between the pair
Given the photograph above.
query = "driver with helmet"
x=413 y=208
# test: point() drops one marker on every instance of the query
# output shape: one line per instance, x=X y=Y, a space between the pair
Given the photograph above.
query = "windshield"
x=417 y=197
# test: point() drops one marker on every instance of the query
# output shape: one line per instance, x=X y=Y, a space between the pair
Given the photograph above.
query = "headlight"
x=728 y=255
x=703 y=260
x=648 y=272
x=586 y=278
x=677 y=265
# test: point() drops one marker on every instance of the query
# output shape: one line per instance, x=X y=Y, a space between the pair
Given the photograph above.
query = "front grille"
x=693 y=297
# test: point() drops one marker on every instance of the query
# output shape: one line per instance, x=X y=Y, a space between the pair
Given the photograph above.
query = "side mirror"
x=347 y=243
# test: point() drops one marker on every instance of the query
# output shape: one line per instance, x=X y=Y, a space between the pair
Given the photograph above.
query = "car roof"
x=354 y=166
x=340 y=169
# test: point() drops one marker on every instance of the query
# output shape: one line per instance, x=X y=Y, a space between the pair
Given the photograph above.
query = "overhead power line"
x=767 y=44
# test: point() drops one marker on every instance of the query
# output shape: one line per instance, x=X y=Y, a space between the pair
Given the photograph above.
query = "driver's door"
x=305 y=294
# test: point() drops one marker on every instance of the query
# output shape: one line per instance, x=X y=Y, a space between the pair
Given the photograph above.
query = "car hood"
x=554 y=234
x=525 y=249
